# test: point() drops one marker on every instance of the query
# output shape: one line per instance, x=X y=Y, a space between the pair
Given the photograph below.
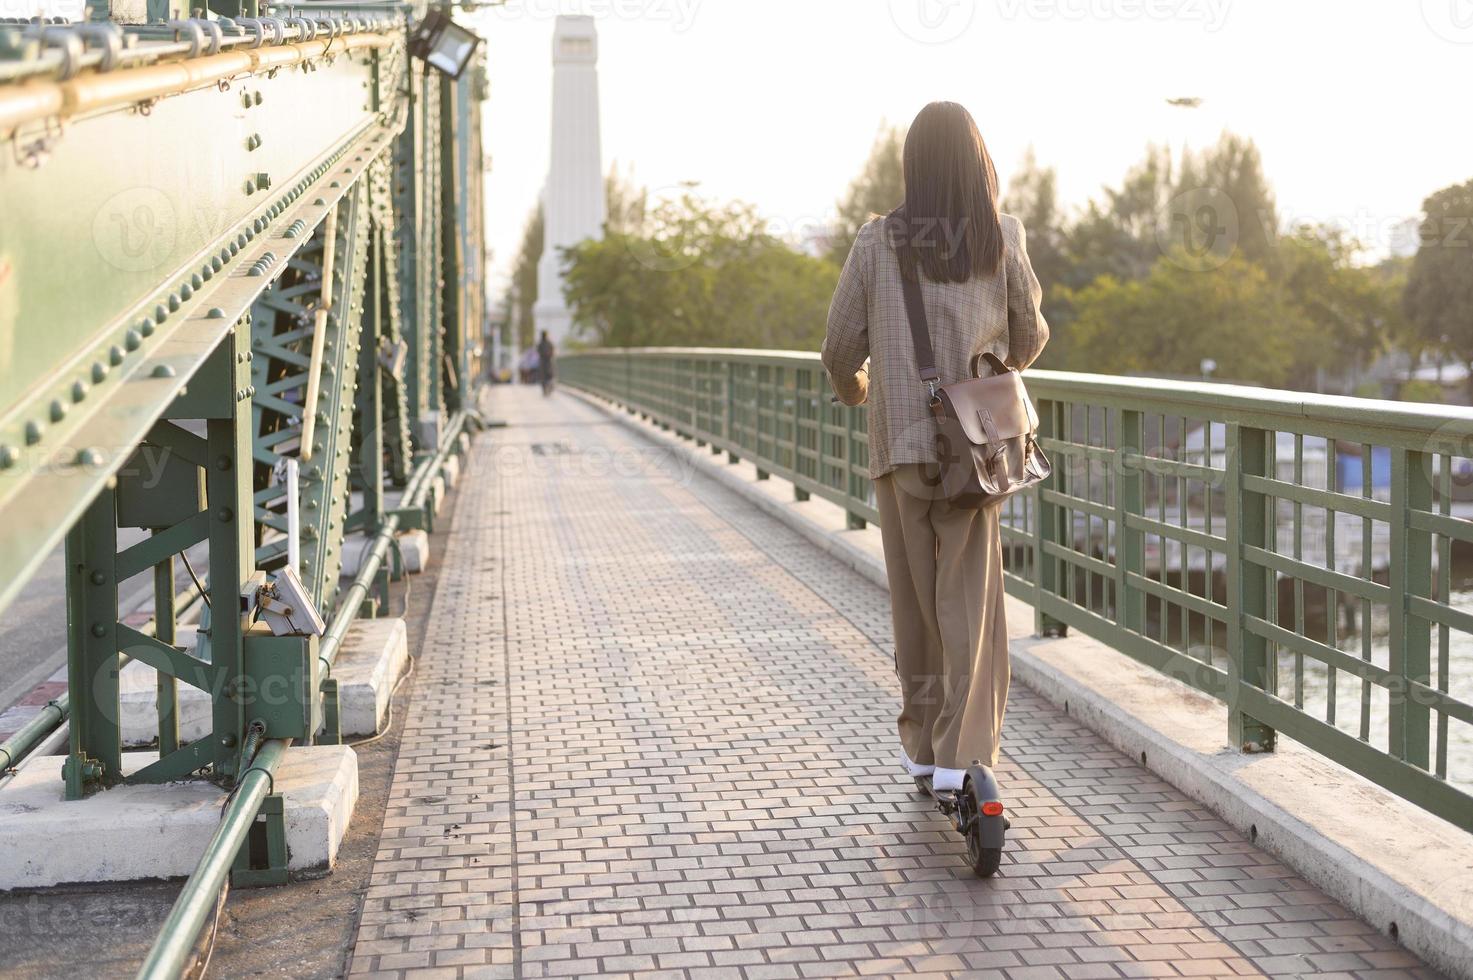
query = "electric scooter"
x=975 y=811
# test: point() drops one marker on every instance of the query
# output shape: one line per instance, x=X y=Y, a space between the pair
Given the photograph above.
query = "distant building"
x=1406 y=237
x=573 y=200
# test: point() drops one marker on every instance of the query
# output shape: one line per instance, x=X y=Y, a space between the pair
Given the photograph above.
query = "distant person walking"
x=546 y=353
x=944 y=563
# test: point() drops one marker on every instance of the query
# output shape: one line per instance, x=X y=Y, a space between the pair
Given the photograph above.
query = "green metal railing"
x=1296 y=556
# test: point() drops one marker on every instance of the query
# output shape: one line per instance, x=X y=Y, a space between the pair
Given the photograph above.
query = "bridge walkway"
x=651 y=733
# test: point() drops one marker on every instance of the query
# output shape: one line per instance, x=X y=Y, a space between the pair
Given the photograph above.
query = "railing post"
x=1248 y=454
x=165 y=627
x=1046 y=528
x=799 y=494
x=852 y=520
x=1130 y=552
x=1410 y=574
x=92 y=649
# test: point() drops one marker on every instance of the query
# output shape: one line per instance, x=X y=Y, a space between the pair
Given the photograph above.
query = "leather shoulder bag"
x=986 y=428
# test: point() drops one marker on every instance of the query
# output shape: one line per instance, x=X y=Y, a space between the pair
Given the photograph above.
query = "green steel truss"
x=161 y=285
x=390 y=347
x=283 y=341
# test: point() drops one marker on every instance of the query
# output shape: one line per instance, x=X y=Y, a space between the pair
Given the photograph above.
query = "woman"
x=944 y=563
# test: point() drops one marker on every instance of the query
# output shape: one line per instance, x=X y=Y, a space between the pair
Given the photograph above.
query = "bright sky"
x=1359 y=106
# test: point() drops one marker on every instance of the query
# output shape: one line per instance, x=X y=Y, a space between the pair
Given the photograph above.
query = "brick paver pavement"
x=651 y=733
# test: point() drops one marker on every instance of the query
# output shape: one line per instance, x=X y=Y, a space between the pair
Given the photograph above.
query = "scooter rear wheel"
x=984 y=860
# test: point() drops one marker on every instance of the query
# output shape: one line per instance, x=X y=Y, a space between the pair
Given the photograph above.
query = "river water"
x=1458 y=649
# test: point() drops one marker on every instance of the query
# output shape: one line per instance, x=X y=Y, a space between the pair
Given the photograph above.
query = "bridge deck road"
x=651 y=732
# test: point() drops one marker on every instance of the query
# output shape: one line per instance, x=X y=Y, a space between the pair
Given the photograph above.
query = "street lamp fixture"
x=443 y=44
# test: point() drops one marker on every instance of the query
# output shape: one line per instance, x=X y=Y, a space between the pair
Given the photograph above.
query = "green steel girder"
x=464 y=250
x=171 y=249
x=219 y=402
x=391 y=329
x=418 y=205
x=281 y=369
x=160 y=274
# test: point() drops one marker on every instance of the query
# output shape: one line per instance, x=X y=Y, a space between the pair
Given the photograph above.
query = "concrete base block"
x=414 y=545
x=465 y=442
x=138 y=700
x=438 y=487
x=374 y=655
x=160 y=831
x=451 y=471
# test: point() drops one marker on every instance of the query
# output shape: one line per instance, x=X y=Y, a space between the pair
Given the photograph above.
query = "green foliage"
x=879 y=189
x=1439 y=290
x=1033 y=198
x=1417 y=390
x=1222 y=199
x=1175 y=317
x=627 y=202
x=1348 y=313
x=523 y=293
x=1213 y=215
x=698 y=274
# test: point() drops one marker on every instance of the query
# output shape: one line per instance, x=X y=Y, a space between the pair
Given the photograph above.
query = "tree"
x=698 y=274
x=1177 y=316
x=1439 y=290
x=626 y=201
x=879 y=189
x=1121 y=236
x=1349 y=313
x=1033 y=198
x=1231 y=171
x=524 y=281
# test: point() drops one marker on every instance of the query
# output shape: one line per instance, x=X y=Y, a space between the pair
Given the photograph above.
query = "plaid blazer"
x=998 y=313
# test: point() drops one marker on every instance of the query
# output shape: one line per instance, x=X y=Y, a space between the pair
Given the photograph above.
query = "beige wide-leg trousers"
x=951 y=640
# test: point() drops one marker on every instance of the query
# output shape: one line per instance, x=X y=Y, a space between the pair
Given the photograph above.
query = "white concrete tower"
x=573 y=202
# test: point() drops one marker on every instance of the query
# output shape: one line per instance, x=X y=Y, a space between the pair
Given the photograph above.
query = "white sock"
x=914 y=769
x=948 y=779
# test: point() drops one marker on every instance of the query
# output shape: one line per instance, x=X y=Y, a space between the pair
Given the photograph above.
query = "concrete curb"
x=1397 y=867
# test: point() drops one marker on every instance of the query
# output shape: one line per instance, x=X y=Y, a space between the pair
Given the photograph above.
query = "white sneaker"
x=948 y=780
x=914 y=769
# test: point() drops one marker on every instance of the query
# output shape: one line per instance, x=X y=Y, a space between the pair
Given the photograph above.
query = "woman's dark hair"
x=948 y=225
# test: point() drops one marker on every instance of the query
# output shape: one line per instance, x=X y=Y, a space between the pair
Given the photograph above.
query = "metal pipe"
x=15 y=749
x=171 y=950
x=414 y=492
x=160 y=46
x=36 y=101
x=319 y=335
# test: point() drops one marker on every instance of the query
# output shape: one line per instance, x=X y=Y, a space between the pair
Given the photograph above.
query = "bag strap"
x=920 y=334
x=993 y=361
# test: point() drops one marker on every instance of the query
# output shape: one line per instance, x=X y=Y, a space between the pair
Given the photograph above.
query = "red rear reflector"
x=992 y=809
